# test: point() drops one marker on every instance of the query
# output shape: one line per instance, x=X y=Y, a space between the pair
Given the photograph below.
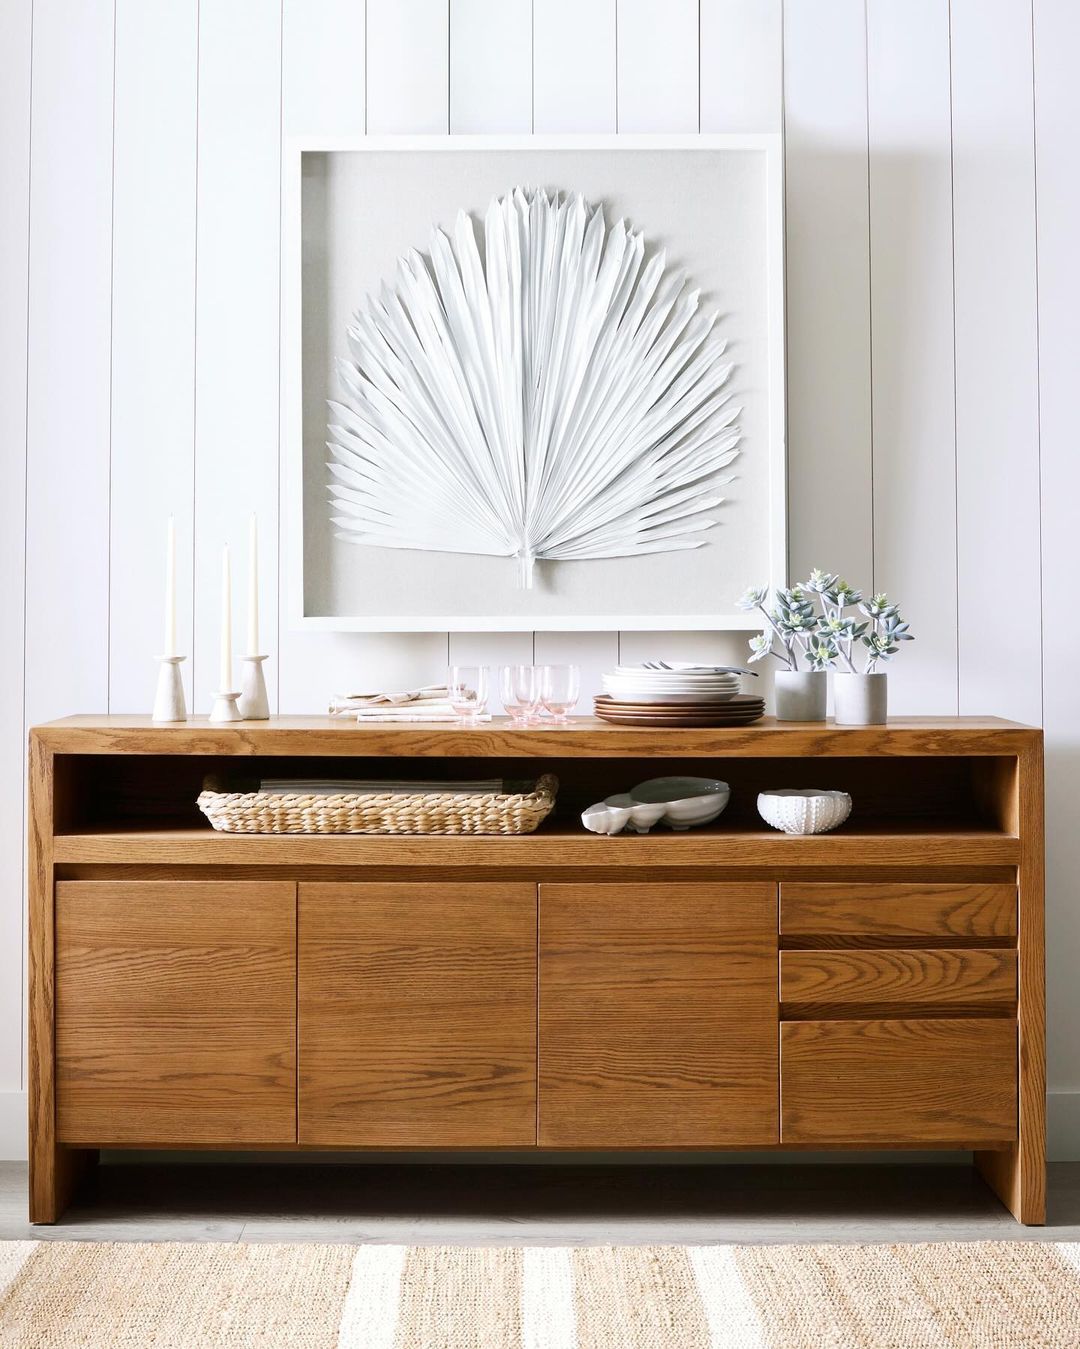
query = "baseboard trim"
x=1063 y=1126
x=13 y=1126
x=1062 y=1137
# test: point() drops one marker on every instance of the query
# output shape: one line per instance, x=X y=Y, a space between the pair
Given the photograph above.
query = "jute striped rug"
x=86 y=1295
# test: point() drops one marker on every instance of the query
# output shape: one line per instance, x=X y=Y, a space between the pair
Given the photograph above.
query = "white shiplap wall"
x=933 y=338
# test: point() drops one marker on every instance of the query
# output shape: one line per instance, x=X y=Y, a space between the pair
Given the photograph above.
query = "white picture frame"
x=302 y=614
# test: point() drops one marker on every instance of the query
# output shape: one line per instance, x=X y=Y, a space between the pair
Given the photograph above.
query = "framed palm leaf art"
x=533 y=383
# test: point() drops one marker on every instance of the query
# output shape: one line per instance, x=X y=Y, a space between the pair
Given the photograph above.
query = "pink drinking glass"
x=560 y=686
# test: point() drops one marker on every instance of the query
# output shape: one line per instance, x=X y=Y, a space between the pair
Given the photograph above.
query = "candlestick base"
x=169 y=702
x=254 y=704
x=224 y=708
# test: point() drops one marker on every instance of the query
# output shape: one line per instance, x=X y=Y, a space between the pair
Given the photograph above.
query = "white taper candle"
x=253 y=588
x=225 y=675
x=170 y=591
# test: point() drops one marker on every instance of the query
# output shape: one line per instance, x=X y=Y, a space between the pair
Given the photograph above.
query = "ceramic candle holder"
x=254 y=704
x=169 y=702
x=224 y=707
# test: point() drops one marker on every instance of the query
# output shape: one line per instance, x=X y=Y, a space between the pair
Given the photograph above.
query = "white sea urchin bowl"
x=803 y=810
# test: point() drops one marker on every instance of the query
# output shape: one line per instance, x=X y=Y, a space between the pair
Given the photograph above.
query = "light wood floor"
x=539 y=1204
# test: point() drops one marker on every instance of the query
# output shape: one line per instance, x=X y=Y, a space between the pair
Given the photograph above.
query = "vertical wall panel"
x=574 y=81
x=15 y=39
x=657 y=92
x=153 y=338
x=742 y=71
x=742 y=62
x=912 y=325
x=323 y=67
x=1057 y=116
x=490 y=66
x=408 y=65
x=67 y=562
x=237 y=318
x=323 y=93
x=490 y=91
x=657 y=66
x=828 y=289
x=996 y=360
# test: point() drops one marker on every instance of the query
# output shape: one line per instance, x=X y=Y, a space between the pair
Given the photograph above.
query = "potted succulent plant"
x=861 y=697
x=825 y=637
x=793 y=632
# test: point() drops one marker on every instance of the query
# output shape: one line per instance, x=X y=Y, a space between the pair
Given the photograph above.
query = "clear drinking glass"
x=467 y=688
x=559 y=689
x=508 y=692
x=520 y=689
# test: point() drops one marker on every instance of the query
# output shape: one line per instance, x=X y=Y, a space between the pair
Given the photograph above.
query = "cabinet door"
x=418 y=1015
x=658 y=1015
x=176 y=1012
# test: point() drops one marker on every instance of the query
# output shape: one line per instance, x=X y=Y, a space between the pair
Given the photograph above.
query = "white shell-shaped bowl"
x=605 y=819
x=678 y=802
x=803 y=810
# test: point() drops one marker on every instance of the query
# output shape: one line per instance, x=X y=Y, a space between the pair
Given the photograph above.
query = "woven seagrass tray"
x=254 y=812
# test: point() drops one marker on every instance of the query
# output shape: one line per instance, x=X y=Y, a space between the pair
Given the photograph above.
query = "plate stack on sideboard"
x=672 y=694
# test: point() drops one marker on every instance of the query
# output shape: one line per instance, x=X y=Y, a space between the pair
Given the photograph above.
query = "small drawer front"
x=876 y=911
x=920 y=1081
x=946 y=978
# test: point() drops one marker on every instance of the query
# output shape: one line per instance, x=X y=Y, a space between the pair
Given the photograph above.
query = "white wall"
x=933 y=332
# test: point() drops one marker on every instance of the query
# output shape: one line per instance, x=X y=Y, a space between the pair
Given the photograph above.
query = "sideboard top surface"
x=584 y=737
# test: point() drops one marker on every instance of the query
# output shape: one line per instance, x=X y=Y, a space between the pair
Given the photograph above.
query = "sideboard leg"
x=55 y=1175
x=1019 y=1182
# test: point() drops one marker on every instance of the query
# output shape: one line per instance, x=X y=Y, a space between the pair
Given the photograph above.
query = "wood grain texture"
x=928 y=1081
x=417 y=1008
x=1018 y=1175
x=585 y=737
x=851 y=980
x=51 y=1177
x=552 y=846
x=176 y=1012
x=900 y=909
x=658 y=1015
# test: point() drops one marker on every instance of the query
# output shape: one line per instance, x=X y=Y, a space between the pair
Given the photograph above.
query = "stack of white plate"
x=689 y=685
x=684 y=695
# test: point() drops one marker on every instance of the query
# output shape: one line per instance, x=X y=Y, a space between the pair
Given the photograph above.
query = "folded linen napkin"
x=430 y=697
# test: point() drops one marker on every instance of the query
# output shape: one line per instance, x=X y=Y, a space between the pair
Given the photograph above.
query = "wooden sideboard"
x=726 y=988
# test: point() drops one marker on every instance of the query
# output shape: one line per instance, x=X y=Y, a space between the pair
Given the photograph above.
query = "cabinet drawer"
x=875 y=911
x=929 y=1081
x=945 y=978
x=176 y=1012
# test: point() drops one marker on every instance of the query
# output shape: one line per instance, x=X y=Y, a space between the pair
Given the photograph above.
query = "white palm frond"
x=557 y=396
